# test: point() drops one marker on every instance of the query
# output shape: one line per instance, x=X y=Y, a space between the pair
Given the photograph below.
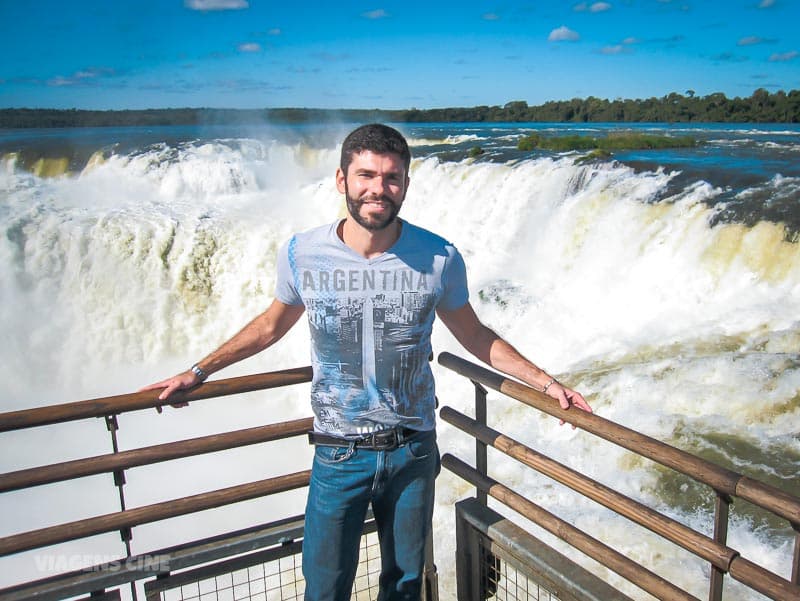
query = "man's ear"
x=340 y=180
x=405 y=190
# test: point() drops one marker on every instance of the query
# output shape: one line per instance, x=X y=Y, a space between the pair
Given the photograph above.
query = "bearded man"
x=371 y=285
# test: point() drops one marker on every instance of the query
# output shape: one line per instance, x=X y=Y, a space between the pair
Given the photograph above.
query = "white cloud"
x=630 y=40
x=216 y=4
x=275 y=31
x=83 y=77
x=729 y=57
x=563 y=34
x=596 y=7
x=783 y=57
x=766 y=3
x=616 y=49
x=249 y=47
x=749 y=41
x=491 y=17
x=375 y=14
x=59 y=81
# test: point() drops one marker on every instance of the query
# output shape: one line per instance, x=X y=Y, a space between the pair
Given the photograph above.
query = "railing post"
x=481 y=457
x=119 y=481
x=796 y=559
x=488 y=565
x=430 y=584
x=468 y=567
x=721 y=513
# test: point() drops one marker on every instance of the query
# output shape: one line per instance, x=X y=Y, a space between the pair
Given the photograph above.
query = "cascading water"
x=669 y=297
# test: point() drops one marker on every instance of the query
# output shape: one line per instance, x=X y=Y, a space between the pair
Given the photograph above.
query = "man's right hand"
x=181 y=381
x=261 y=332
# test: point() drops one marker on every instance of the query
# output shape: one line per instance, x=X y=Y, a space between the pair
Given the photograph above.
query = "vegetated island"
x=602 y=147
x=760 y=107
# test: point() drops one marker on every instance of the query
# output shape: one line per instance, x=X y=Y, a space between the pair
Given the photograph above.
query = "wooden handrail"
x=128 y=518
x=112 y=405
x=119 y=461
x=111 y=462
x=672 y=530
x=605 y=555
x=741 y=569
x=725 y=482
x=722 y=480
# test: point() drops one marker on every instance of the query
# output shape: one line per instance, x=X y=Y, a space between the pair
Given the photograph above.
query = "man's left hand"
x=567 y=398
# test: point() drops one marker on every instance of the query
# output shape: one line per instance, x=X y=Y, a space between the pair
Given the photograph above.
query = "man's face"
x=374 y=187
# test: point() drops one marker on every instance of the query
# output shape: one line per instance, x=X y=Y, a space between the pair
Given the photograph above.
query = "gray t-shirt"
x=371 y=322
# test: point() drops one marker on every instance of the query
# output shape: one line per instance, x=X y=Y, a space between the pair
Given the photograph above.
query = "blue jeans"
x=400 y=486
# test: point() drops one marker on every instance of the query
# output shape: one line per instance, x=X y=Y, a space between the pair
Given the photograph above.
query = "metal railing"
x=725 y=484
x=117 y=462
x=100 y=580
x=505 y=542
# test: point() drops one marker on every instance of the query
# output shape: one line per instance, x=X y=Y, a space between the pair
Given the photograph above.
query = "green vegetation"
x=475 y=152
x=607 y=144
x=596 y=155
x=23 y=117
x=760 y=107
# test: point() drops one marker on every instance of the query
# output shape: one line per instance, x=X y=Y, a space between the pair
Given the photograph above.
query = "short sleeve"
x=454 y=282
x=286 y=290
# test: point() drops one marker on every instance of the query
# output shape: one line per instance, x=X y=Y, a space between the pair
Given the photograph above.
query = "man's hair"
x=377 y=138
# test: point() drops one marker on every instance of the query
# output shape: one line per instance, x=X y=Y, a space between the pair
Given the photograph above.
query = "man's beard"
x=371 y=223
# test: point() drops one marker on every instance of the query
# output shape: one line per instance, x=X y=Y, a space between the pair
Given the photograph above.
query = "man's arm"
x=264 y=331
x=490 y=348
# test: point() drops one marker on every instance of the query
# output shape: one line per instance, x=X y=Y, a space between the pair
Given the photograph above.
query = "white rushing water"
x=141 y=264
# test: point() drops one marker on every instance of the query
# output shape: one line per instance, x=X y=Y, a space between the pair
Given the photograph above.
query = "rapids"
x=666 y=290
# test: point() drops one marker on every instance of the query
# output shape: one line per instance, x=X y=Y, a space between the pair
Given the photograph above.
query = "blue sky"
x=128 y=54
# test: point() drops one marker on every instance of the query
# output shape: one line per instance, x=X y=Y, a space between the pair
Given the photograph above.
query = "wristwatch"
x=198 y=372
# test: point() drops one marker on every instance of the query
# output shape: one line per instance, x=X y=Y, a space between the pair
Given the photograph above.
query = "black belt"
x=382 y=440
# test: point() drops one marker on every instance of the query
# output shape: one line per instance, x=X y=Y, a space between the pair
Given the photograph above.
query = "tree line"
x=761 y=107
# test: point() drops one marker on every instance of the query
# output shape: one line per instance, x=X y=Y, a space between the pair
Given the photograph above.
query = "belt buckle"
x=385 y=440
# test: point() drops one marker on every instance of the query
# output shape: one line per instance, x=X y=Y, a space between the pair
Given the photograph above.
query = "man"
x=371 y=285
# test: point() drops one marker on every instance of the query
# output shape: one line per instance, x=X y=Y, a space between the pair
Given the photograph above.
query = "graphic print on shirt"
x=366 y=338
x=371 y=322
